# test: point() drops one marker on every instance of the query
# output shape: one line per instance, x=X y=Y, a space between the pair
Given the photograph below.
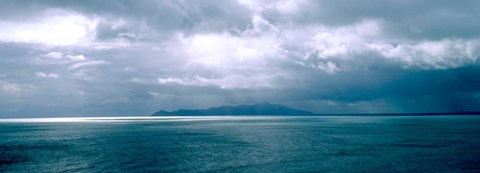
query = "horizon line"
x=314 y=114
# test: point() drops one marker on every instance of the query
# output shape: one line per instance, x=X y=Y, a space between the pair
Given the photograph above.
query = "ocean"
x=242 y=144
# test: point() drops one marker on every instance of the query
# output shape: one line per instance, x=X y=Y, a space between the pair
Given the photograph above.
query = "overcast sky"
x=106 y=58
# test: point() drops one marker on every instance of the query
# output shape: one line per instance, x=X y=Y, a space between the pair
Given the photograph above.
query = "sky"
x=125 y=57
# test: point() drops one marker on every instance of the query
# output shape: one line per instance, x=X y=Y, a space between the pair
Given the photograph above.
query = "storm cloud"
x=105 y=58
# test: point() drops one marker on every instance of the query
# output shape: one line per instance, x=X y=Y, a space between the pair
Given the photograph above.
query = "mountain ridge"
x=255 y=109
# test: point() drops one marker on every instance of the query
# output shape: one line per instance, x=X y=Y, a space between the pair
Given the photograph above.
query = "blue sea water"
x=242 y=144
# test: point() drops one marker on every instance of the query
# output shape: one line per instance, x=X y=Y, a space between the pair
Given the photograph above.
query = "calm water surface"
x=242 y=144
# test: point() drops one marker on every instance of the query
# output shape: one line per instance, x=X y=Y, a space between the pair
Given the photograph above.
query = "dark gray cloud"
x=102 y=58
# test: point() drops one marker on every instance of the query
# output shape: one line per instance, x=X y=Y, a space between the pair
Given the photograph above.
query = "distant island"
x=275 y=109
x=256 y=109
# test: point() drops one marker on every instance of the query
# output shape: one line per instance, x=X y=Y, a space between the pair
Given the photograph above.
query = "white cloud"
x=440 y=54
x=54 y=28
x=337 y=42
x=227 y=51
x=260 y=26
x=87 y=63
x=288 y=7
x=53 y=55
x=225 y=54
x=227 y=82
x=76 y=57
x=234 y=60
x=47 y=75
x=57 y=58
x=329 y=67
x=366 y=37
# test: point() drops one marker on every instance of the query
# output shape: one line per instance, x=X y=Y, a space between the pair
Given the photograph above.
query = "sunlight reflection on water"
x=137 y=118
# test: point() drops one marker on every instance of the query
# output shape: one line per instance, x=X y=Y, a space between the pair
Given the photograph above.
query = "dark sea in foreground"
x=242 y=144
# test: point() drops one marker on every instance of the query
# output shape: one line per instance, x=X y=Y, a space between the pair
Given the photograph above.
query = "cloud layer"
x=100 y=58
